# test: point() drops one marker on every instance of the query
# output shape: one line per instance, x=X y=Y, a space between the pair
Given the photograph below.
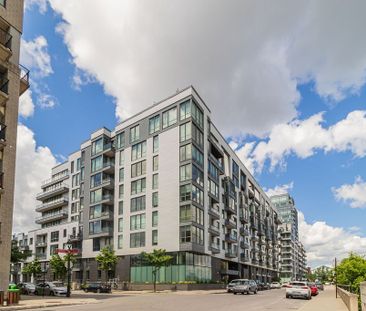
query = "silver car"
x=233 y=283
x=245 y=287
x=51 y=288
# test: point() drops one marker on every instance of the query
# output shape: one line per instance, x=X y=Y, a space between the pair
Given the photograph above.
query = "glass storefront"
x=184 y=267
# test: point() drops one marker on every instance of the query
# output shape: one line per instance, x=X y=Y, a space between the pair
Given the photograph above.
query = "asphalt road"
x=273 y=300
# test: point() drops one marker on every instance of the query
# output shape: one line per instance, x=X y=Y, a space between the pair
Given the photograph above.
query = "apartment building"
x=292 y=251
x=14 y=80
x=164 y=178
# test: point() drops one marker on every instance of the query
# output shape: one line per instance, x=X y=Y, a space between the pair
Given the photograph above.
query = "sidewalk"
x=46 y=303
x=326 y=300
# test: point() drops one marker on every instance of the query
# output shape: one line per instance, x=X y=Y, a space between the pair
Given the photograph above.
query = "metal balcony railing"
x=4 y=85
x=5 y=38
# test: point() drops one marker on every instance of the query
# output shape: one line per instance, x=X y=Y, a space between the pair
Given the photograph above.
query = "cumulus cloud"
x=304 y=137
x=46 y=100
x=26 y=105
x=279 y=189
x=246 y=58
x=354 y=194
x=41 y=4
x=324 y=242
x=33 y=164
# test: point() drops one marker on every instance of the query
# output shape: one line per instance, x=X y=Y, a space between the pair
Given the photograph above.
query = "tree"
x=107 y=260
x=17 y=255
x=352 y=271
x=323 y=274
x=157 y=259
x=57 y=265
x=33 y=268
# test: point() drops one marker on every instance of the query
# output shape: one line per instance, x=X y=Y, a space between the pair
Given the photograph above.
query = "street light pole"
x=69 y=245
x=335 y=275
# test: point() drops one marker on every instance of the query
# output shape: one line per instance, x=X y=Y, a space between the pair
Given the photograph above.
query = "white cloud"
x=34 y=55
x=323 y=242
x=46 y=101
x=26 y=105
x=304 y=137
x=41 y=4
x=246 y=58
x=33 y=165
x=354 y=194
x=280 y=189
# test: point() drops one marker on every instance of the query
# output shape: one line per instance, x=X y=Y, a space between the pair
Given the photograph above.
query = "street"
x=198 y=300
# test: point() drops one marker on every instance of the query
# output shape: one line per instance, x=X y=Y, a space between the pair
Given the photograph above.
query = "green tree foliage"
x=157 y=259
x=33 y=268
x=107 y=259
x=322 y=274
x=352 y=271
x=58 y=264
x=17 y=255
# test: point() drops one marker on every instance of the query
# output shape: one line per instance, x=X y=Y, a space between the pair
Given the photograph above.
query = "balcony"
x=76 y=237
x=5 y=45
x=218 y=164
x=109 y=150
x=244 y=257
x=244 y=245
x=54 y=180
x=24 y=79
x=214 y=212
x=229 y=223
x=244 y=232
x=52 y=217
x=230 y=209
x=214 y=248
x=231 y=254
x=41 y=243
x=108 y=167
x=243 y=218
x=254 y=238
x=4 y=85
x=102 y=215
x=107 y=183
x=104 y=231
x=41 y=256
x=52 y=204
x=230 y=238
x=63 y=188
x=214 y=230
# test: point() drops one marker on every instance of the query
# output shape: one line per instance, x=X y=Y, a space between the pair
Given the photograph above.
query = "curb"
x=39 y=306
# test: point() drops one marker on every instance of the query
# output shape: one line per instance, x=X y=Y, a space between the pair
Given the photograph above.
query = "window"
x=96 y=245
x=185 y=213
x=120 y=224
x=137 y=222
x=121 y=174
x=155 y=163
x=155 y=219
x=78 y=164
x=169 y=117
x=3 y=3
x=120 y=208
x=185 y=193
x=54 y=236
x=121 y=158
x=138 y=151
x=97 y=146
x=72 y=167
x=96 y=164
x=155 y=181
x=185 y=152
x=138 y=204
x=186 y=172
x=95 y=211
x=121 y=191
x=213 y=171
x=185 y=234
x=197 y=175
x=154 y=124
x=95 y=180
x=137 y=239
x=155 y=199
x=197 y=115
x=134 y=133
x=75 y=194
x=121 y=140
x=53 y=249
x=138 y=169
x=65 y=233
x=75 y=180
x=197 y=195
x=185 y=110
x=197 y=135
x=155 y=144
x=154 y=237
x=197 y=156
x=120 y=241
x=138 y=186
x=185 y=131
x=95 y=196
x=213 y=188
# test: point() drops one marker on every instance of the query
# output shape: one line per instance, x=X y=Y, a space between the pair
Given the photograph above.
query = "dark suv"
x=97 y=288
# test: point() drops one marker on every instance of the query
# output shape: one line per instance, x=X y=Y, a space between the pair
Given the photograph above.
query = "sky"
x=285 y=82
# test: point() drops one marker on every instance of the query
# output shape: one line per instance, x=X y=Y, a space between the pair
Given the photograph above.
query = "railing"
x=230 y=253
x=108 y=230
x=53 y=189
x=24 y=74
x=63 y=213
x=4 y=85
x=41 y=243
x=5 y=37
x=43 y=206
x=2 y=132
x=102 y=214
x=55 y=179
x=41 y=256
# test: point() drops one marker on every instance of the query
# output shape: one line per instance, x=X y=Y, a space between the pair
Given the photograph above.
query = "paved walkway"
x=325 y=301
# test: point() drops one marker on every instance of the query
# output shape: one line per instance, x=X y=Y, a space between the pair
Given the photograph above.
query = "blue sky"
x=277 y=71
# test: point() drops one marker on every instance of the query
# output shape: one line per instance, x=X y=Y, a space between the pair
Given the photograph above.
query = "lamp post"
x=68 y=248
x=44 y=269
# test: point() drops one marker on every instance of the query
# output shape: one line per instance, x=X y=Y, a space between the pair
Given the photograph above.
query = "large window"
x=138 y=204
x=121 y=158
x=138 y=186
x=138 y=169
x=121 y=191
x=190 y=213
x=155 y=144
x=185 y=193
x=155 y=199
x=197 y=175
x=197 y=156
x=137 y=239
x=185 y=234
x=95 y=180
x=185 y=110
x=120 y=241
x=121 y=140
x=190 y=234
x=138 y=151
x=155 y=163
x=213 y=188
x=169 y=117
x=155 y=237
x=95 y=196
x=197 y=135
x=121 y=174
x=185 y=131
x=55 y=236
x=155 y=218
x=137 y=222
x=197 y=195
x=154 y=124
x=96 y=164
x=185 y=152
x=97 y=146
x=134 y=133
x=155 y=181
x=186 y=172
x=197 y=115
x=95 y=211
x=120 y=208
x=213 y=171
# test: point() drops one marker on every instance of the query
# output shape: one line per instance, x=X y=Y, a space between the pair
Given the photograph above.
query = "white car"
x=275 y=285
x=298 y=289
x=232 y=284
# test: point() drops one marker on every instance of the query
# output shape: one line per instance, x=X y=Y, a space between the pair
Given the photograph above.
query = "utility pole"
x=69 y=246
x=335 y=276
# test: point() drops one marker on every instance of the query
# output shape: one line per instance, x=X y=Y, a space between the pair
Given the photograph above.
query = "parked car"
x=245 y=287
x=275 y=285
x=50 y=288
x=26 y=288
x=314 y=289
x=298 y=289
x=286 y=284
x=260 y=285
x=319 y=285
x=97 y=288
x=233 y=283
x=266 y=286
